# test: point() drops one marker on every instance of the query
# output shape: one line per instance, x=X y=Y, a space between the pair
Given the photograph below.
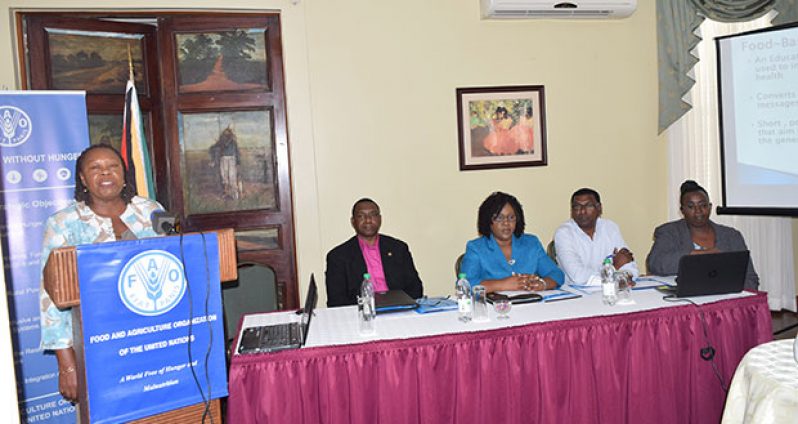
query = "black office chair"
x=254 y=291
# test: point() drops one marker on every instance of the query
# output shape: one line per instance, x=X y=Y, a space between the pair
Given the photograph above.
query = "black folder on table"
x=393 y=301
x=516 y=297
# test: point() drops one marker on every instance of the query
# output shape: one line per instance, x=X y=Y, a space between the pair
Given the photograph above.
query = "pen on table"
x=560 y=296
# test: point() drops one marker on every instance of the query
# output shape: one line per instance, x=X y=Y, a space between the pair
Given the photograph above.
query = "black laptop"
x=393 y=301
x=712 y=273
x=276 y=337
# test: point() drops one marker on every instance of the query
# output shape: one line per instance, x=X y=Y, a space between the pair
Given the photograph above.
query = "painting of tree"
x=222 y=61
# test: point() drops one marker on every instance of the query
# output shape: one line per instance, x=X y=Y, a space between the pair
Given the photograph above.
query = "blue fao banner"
x=41 y=136
x=152 y=325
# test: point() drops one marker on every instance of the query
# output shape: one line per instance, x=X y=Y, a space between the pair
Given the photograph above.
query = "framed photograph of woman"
x=501 y=127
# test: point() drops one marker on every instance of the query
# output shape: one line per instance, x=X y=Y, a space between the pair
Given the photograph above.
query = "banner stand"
x=61 y=283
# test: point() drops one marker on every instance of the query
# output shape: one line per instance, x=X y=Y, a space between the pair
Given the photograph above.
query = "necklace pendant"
x=511 y=262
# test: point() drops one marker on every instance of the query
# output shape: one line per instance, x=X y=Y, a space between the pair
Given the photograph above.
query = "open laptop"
x=712 y=273
x=393 y=301
x=276 y=337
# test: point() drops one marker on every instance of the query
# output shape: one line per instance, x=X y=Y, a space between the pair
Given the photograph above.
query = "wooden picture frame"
x=501 y=127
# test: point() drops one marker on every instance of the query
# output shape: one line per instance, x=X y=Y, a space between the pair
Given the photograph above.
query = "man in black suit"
x=387 y=259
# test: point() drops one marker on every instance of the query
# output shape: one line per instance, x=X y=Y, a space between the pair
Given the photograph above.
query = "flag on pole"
x=134 y=145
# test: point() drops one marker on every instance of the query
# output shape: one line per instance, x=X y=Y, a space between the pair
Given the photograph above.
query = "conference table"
x=571 y=361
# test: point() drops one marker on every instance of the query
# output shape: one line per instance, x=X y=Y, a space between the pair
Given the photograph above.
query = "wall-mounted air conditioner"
x=574 y=9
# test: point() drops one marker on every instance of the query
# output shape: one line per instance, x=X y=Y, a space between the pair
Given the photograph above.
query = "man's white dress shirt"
x=581 y=257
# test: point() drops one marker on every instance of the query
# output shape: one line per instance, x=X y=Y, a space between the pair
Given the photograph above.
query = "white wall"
x=383 y=77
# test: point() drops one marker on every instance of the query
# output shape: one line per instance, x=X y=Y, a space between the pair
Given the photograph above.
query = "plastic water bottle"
x=609 y=289
x=464 y=300
x=368 y=312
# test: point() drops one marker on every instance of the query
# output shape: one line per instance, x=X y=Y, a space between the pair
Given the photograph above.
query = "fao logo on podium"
x=16 y=126
x=152 y=283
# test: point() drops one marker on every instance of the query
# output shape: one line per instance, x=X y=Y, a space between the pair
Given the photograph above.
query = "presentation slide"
x=758 y=86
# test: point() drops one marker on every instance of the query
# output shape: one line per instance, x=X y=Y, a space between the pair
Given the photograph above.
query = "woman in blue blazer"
x=503 y=257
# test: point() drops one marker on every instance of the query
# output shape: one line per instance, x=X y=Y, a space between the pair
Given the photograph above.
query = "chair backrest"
x=457 y=264
x=552 y=251
x=254 y=291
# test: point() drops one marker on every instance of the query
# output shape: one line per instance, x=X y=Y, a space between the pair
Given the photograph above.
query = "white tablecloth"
x=338 y=326
x=765 y=386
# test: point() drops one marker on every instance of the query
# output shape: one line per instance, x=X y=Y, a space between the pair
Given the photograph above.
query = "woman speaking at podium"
x=106 y=209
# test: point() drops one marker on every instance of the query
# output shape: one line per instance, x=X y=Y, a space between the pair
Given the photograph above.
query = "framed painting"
x=501 y=127
x=227 y=161
x=106 y=128
x=222 y=61
x=95 y=61
x=259 y=239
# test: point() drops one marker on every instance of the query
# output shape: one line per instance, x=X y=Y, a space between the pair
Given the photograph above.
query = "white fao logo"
x=16 y=126
x=152 y=283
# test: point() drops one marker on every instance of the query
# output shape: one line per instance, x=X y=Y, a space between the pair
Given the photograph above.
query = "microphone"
x=164 y=222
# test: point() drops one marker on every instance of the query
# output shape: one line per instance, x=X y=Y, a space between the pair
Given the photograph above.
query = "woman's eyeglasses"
x=500 y=219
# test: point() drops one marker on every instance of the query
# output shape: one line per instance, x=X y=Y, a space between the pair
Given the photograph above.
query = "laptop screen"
x=711 y=273
x=310 y=305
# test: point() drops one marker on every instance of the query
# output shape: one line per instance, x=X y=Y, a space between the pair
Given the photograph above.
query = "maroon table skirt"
x=642 y=367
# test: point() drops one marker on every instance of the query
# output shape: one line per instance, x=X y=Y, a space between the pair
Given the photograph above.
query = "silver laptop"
x=712 y=273
x=276 y=337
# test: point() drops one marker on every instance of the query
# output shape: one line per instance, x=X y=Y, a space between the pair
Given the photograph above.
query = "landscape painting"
x=255 y=240
x=222 y=61
x=227 y=162
x=96 y=62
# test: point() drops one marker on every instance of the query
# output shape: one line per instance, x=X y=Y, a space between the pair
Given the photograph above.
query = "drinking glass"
x=502 y=305
x=624 y=282
x=480 y=304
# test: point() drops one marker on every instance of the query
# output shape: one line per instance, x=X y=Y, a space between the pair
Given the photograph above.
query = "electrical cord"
x=191 y=329
x=707 y=352
x=206 y=412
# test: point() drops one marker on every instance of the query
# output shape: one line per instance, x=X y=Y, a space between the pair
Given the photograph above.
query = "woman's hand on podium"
x=67 y=374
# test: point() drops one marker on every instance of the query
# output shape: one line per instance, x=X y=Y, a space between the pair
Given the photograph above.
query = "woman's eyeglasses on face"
x=499 y=219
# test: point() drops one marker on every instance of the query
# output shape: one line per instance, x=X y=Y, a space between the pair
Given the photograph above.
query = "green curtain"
x=677 y=21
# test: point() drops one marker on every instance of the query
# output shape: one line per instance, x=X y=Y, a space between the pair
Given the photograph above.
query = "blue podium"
x=147 y=324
